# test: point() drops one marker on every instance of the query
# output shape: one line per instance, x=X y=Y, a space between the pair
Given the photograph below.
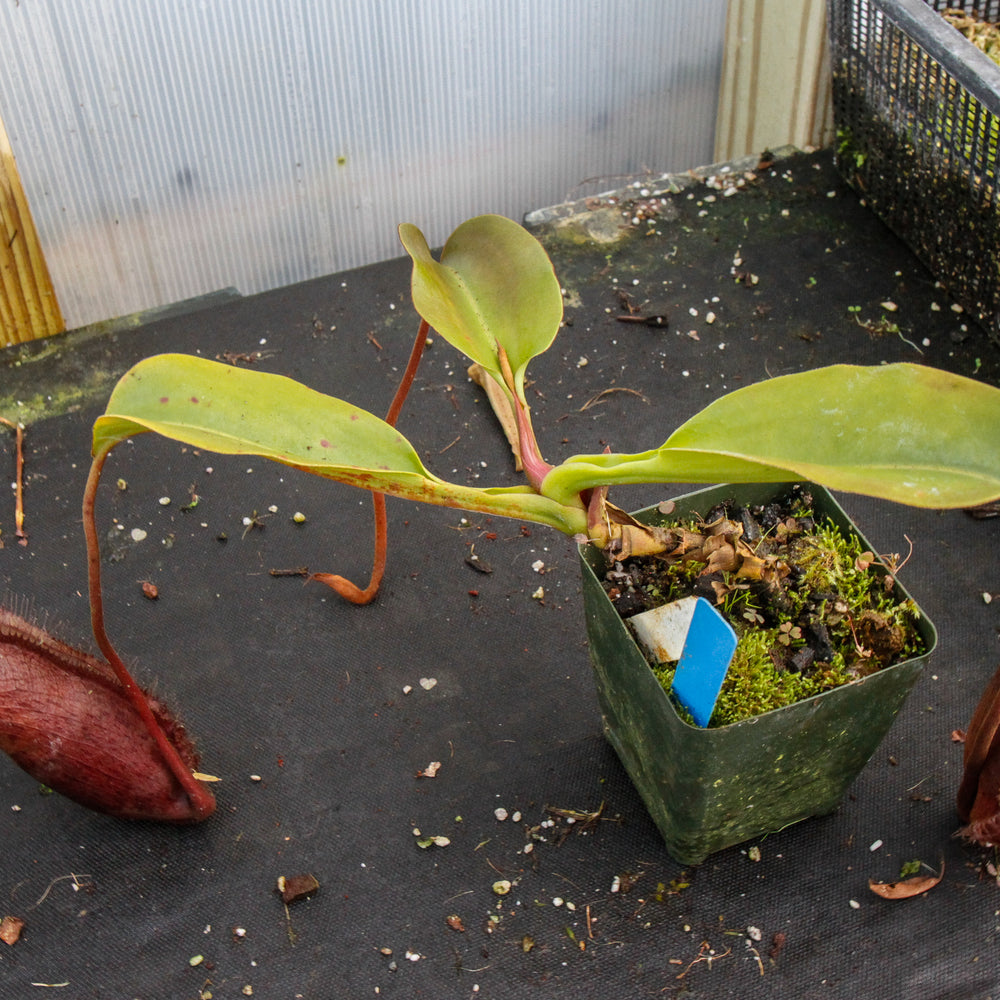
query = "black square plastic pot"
x=708 y=789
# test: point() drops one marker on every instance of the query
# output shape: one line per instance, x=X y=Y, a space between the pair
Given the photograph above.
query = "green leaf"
x=901 y=432
x=494 y=286
x=238 y=411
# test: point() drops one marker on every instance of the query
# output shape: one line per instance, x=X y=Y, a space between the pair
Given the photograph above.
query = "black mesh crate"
x=917 y=110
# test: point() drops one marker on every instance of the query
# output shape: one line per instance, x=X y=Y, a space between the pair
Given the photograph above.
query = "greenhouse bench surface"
x=405 y=753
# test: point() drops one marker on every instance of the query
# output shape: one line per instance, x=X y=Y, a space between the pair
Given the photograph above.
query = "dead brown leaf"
x=907 y=888
x=721 y=555
x=752 y=567
x=501 y=408
x=296 y=887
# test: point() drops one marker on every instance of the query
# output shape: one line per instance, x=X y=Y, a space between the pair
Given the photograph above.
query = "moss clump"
x=985 y=35
x=755 y=684
x=811 y=608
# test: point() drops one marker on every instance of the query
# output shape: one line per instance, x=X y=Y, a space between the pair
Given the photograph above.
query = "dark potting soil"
x=811 y=607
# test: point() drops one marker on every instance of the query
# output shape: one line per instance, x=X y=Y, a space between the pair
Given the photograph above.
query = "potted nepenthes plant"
x=745 y=775
x=901 y=432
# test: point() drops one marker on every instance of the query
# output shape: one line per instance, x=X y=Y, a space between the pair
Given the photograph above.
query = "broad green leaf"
x=238 y=411
x=494 y=286
x=902 y=432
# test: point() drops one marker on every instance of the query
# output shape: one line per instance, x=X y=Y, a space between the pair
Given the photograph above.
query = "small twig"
x=297 y=571
x=883 y=326
x=76 y=882
x=703 y=957
x=865 y=654
x=586 y=819
x=289 y=930
x=235 y=357
x=653 y=319
x=253 y=521
x=18 y=429
x=892 y=563
x=594 y=400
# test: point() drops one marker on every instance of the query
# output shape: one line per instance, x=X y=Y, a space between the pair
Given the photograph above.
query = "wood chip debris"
x=296 y=887
x=479 y=565
x=10 y=929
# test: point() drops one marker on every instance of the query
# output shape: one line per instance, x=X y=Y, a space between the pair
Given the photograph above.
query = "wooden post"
x=28 y=305
x=776 y=86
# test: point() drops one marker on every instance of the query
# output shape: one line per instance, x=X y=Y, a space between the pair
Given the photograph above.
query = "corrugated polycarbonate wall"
x=174 y=147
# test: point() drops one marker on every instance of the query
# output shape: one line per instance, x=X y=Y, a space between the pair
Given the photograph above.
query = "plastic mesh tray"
x=917 y=109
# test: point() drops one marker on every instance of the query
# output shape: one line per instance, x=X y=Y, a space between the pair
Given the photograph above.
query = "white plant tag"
x=664 y=629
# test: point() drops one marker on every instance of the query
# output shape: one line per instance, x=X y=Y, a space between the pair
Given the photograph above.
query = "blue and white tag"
x=702 y=642
x=708 y=650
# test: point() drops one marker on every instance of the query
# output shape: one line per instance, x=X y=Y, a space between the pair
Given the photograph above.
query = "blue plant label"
x=708 y=649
